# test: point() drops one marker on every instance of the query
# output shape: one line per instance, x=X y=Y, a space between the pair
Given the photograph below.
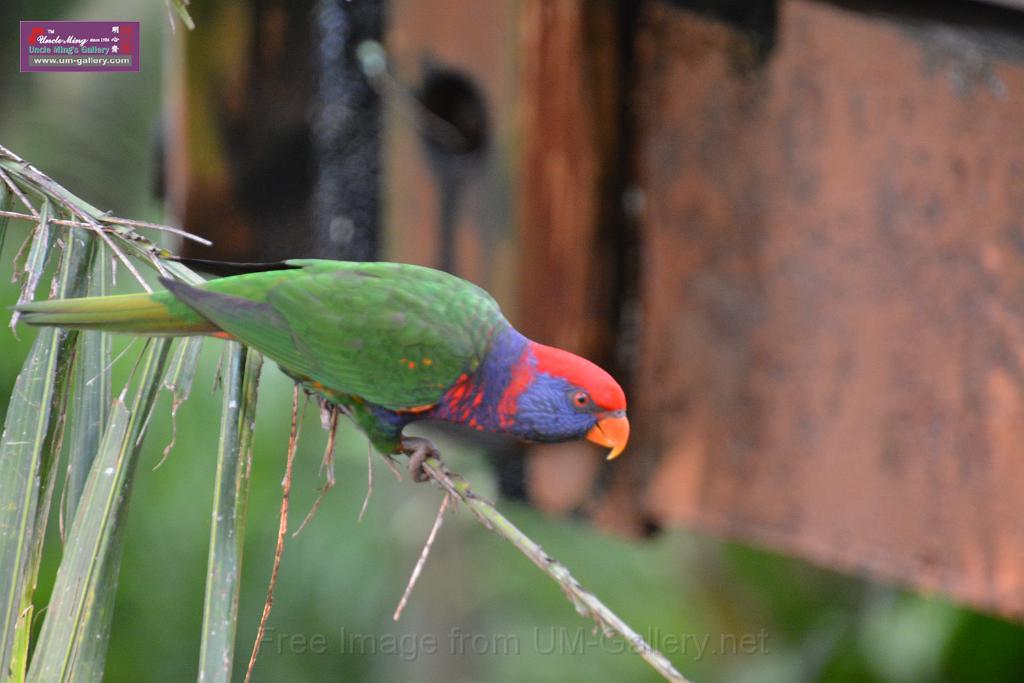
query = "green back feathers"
x=393 y=334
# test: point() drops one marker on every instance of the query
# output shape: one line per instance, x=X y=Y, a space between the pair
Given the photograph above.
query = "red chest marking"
x=459 y=390
x=522 y=375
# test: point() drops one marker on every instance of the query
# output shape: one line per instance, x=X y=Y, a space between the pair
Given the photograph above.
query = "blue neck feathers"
x=476 y=399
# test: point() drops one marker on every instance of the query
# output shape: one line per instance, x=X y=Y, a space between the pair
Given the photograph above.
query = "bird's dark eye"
x=580 y=399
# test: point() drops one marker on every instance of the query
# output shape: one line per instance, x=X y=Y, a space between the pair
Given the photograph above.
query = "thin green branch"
x=585 y=602
x=180 y=7
x=110 y=223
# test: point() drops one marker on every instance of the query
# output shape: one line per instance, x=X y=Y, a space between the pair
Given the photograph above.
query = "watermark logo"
x=542 y=640
x=80 y=45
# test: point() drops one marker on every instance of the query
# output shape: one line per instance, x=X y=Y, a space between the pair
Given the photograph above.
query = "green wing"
x=393 y=334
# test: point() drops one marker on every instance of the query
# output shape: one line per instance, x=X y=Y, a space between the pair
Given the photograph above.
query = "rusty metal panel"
x=832 y=286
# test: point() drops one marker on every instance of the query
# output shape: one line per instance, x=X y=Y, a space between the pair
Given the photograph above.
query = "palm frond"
x=91 y=390
x=230 y=495
x=6 y=202
x=71 y=368
x=28 y=454
x=72 y=643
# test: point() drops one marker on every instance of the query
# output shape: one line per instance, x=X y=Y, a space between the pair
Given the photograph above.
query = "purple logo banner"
x=80 y=45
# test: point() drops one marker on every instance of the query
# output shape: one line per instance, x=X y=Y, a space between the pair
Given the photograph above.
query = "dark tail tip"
x=229 y=268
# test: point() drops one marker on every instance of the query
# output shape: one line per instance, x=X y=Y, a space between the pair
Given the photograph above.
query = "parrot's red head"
x=555 y=395
x=538 y=393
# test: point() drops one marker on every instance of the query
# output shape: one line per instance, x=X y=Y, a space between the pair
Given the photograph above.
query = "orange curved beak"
x=611 y=431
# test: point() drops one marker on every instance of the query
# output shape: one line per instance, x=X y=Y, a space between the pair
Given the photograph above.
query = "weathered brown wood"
x=569 y=207
x=833 y=327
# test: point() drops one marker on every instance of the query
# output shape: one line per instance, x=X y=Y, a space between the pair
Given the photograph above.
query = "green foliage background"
x=480 y=611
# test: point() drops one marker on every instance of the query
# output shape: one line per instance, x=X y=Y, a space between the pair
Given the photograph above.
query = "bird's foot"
x=419 y=450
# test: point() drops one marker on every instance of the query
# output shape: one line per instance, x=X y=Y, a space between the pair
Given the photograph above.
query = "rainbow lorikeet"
x=390 y=343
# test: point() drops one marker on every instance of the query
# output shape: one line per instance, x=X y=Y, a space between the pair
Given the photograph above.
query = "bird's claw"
x=419 y=450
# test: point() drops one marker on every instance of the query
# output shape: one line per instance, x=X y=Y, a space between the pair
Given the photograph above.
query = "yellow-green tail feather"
x=157 y=314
